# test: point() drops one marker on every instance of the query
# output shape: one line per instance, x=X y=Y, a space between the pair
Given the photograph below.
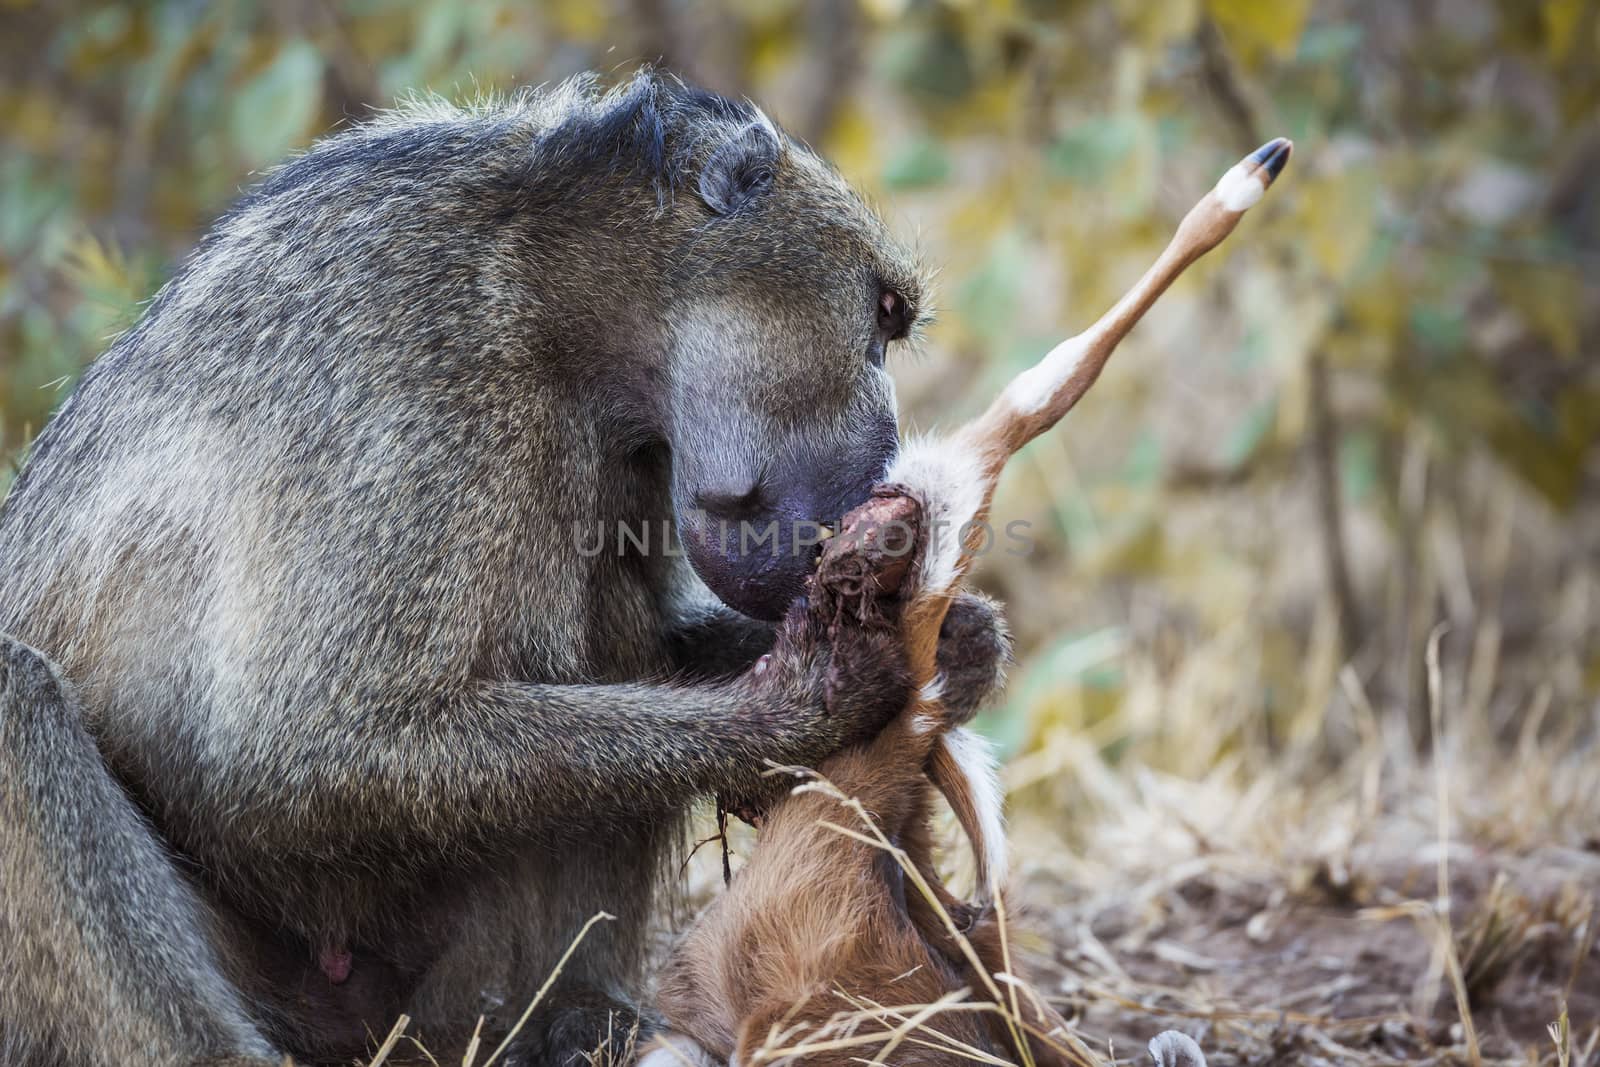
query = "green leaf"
x=1248 y=434
x=920 y=164
x=1328 y=44
x=1441 y=327
x=988 y=298
x=276 y=110
x=1144 y=466
x=1358 y=464
x=1259 y=27
x=930 y=63
x=1081 y=658
x=1090 y=151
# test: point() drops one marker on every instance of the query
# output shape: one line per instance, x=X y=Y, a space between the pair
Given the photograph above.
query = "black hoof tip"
x=1273 y=155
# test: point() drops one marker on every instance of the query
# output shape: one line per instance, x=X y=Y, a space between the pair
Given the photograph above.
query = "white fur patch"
x=975 y=757
x=932 y=692
x=676 y=1050
x=951 y=482
x=1240 y=189
x=1031 y=390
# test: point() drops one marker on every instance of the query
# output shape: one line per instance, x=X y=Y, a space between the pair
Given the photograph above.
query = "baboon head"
x=785 y=300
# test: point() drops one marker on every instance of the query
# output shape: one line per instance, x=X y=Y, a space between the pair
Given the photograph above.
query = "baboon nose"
x=731 y=500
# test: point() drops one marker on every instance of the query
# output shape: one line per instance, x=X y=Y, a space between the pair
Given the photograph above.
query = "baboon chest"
x=623 y=638
x=627 y=559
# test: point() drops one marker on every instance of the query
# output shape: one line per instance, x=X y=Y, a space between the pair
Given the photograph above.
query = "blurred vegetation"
x=1376 y=408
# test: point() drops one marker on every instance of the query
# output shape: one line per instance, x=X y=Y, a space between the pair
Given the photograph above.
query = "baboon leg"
x=106 y=960
x=572 y=1021
x=573 y=1025
x=507 y=937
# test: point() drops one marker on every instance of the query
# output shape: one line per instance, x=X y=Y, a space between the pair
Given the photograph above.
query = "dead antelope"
x=839 y=918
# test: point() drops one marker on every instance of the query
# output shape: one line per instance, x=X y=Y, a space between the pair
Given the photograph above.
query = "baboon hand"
x=838 y=667
x=974 y=652
x=850 y=680
x=820 y=689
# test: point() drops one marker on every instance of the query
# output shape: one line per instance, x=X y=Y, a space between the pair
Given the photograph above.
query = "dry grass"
x=1381 y=907
x=1320 y=887
x=878 y=1030
x=1291 y=854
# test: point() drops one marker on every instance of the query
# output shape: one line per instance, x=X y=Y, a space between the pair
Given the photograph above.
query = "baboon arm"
x=640 y=747
x=502 y=760
x=716 y=643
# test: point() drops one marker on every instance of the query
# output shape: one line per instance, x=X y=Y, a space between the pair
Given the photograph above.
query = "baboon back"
x=302 y=541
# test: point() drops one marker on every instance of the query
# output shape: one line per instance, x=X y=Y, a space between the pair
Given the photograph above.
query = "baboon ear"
x=740 y=169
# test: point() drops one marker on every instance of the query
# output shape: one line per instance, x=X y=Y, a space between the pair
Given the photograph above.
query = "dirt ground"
x=1345 y=898
x=1285 y=925
x=1336 y=957
x=1334 y=973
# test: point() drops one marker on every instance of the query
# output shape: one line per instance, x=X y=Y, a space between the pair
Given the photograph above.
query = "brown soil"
x=1327 y=968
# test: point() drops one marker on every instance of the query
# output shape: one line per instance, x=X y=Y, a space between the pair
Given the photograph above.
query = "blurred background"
x=1373 y=412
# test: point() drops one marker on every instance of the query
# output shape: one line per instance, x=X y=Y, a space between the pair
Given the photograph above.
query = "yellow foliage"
x=1260 y=28
x=1435 y=240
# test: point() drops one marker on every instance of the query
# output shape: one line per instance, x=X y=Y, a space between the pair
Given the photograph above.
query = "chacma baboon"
x=312 y=710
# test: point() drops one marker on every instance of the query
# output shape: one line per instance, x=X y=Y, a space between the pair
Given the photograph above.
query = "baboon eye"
x=892 y=318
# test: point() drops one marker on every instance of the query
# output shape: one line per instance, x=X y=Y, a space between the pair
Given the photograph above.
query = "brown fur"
x=817 y=917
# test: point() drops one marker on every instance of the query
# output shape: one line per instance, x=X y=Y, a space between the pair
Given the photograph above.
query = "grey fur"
x=302 y=541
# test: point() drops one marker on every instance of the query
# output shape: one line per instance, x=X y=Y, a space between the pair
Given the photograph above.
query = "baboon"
x=317 y=703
